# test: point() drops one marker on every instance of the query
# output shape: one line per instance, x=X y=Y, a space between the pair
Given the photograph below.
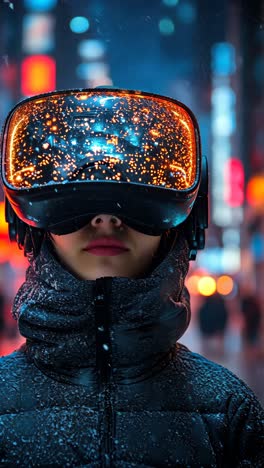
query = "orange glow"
x=255 y=191
x=38 y=74
x=206 y=286
x=192 y=284
x=172 y=164
x=17 y=258
x=224 y=285
x=5 y=250
x=3 y=223
x=9 y=251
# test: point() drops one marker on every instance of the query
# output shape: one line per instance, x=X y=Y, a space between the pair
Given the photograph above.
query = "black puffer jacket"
x=101 y=381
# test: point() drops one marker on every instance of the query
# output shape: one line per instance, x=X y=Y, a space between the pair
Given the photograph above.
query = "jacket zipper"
x=104 y=365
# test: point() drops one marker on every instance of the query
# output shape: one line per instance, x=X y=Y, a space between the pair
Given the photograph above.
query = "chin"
x=102 y=274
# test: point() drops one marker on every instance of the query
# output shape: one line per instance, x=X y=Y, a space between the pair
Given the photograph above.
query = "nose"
x=106 y=221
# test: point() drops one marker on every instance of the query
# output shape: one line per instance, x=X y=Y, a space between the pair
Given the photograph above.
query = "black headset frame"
x=30 y=238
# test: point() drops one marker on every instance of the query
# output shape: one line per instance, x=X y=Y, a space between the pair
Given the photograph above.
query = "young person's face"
x=123 y=252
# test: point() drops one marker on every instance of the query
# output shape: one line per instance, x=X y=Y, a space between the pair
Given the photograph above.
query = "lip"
x=106 y=246
x=106 y=251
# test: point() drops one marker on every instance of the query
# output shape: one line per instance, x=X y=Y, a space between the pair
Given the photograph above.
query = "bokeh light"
x=223 y=58
x=38 y=74
x=40 y=5
x=224 y=285
x=186 y=12
x=166 y=26
x=79 y=24
x=192 y=284
x=206 y=285
x=91 y=49
x=3 y=223
x=170 y=3
x=38 y=33
x=91 y=70
x=255 y=191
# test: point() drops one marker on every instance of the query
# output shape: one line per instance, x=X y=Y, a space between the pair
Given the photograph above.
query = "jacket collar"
x=60 y=316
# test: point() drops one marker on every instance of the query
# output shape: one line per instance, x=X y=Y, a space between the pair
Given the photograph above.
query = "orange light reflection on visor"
x=107 y=136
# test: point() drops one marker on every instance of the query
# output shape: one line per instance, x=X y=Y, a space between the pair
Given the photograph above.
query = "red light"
x=234 y=182
x=38 y=75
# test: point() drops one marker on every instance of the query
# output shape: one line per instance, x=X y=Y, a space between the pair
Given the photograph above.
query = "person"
x=106 y=192
x=251 y=313
x=212 y=322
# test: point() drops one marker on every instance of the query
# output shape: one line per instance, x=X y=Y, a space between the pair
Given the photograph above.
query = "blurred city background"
x=209 y=55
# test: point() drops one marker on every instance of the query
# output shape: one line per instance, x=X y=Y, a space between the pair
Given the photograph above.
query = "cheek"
x=65 y=244
x=149 y=246
x=155 y=242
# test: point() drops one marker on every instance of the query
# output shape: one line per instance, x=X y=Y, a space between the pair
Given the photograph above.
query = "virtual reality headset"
x=70 y=155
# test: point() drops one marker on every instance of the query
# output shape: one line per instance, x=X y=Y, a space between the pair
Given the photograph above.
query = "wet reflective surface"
x=100 y=135
x=230 y=351
x=247 y=363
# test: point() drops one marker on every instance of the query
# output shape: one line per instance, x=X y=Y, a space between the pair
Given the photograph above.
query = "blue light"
x=92 y=70
x=91 y=49
x=79 y=24
x=224 y=125
x=187 y=12
x=223 y=59
x=166 y=26
x=223 y=98
x=38 y=33
x=40 y=5
x=257 y=246
x=170 y=3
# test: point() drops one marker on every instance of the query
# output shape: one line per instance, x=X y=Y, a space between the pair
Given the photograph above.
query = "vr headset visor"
x=69 y=155
x=118 y=136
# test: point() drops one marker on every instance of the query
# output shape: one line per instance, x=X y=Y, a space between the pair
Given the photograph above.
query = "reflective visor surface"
x=99 y=135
